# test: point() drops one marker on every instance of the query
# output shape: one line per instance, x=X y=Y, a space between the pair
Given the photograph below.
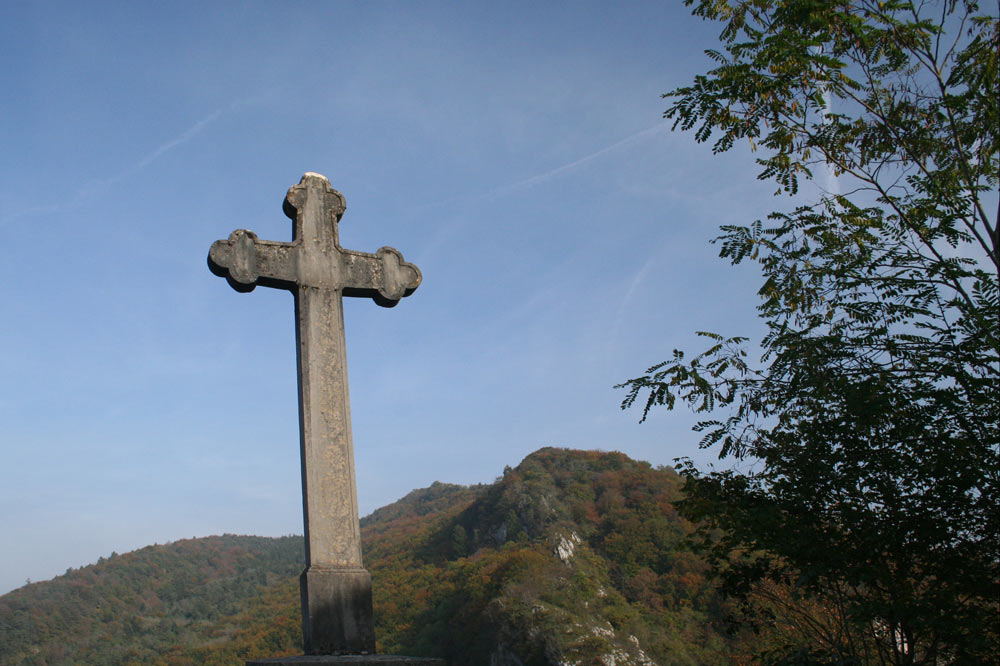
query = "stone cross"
x=336 y=589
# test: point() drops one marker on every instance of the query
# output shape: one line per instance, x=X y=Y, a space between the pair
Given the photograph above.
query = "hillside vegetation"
x=572 y=558
x=151 y=605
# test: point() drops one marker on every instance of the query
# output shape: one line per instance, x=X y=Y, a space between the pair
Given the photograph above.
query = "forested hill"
x=570 y=558
x=149 y=604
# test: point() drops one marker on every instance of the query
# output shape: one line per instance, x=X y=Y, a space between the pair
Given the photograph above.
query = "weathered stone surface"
x=336 y=590
x=337 y=611
x=349 y=660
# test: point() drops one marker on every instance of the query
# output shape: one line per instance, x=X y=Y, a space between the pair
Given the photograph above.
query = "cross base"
x=337 y=611
x=349 y=660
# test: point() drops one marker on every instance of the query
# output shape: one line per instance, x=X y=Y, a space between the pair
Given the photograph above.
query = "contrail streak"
x=448 y=230
x=100 y=183
x=548 y=175
x=184 y=137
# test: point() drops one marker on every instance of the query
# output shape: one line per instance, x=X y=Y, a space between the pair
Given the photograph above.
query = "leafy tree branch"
x=873 y=416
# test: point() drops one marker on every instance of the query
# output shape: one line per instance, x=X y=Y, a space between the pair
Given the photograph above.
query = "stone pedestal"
x=349 y=660
x=337 y=611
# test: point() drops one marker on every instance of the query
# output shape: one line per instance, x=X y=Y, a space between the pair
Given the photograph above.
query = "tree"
x=870 y=426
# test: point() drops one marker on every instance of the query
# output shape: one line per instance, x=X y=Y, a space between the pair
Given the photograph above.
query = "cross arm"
x=383 y=276
x=246 y=261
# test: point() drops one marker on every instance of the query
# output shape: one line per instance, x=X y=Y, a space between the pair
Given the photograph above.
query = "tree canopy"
x=870 y=425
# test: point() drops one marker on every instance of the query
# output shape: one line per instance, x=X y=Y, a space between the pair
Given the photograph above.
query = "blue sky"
x=515 y=152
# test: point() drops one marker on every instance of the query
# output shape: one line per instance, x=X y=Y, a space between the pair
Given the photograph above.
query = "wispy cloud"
x=832 y=183
x=637 y=281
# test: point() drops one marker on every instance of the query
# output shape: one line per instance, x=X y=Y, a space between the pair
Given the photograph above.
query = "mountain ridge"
x=570 y=558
